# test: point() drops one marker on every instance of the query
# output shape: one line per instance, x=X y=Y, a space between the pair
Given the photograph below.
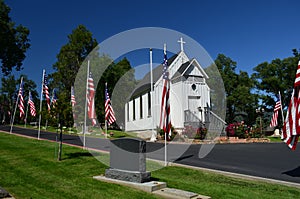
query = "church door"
x=193 y=104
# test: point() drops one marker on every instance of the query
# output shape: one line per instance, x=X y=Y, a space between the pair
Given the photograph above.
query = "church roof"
x=144 y=85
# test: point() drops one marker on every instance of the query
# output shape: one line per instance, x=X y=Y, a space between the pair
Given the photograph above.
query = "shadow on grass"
x=154 y=179
x=293 y=173
x=79 y=154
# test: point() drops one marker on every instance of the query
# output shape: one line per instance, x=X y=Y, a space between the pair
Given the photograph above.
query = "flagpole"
x=166 y=163
x=153 y=138
x=281 y=108
x=27 y=110
x=41 y=100
x=105 y=122
x=105 y=129
x=85 y=107
x=13 y=119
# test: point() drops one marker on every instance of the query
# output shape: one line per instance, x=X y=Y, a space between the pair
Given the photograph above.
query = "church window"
x=128 y=111
x=133 y=109
x=149 y=104
x=194 y=87
x=141 y=107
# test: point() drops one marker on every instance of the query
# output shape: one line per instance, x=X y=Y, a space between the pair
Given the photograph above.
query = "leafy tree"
x=69 y=60
x=274 y=77
x=121 y=82
x=217 y=90
x=9 y=92
x=238 y=88
x=14 y=41
x=80 y=44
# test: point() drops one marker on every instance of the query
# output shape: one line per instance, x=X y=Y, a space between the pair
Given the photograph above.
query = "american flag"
x=31 y=105
x=291 y=128
x=46 y=91
x=165 y=120
x=54 y=98
x=277 y=108
x=21 y=102
x=91 y=100
x=109 y=112
x=73 y=101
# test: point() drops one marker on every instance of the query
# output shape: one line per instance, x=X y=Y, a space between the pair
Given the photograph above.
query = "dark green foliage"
x=71 y=56
x=121 y=82
x=14 y=41
x=274 y=77
x=238 y=87
x=9 y=92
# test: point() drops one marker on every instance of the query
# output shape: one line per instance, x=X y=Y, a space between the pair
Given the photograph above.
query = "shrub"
x=194 y=133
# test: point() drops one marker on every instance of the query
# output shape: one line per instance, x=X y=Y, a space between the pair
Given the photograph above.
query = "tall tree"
x=69 y=60
x=14 y=41
x=80 y=44
x=121 y=82
x=238 y=88
x=9 y=92
x=278 y=75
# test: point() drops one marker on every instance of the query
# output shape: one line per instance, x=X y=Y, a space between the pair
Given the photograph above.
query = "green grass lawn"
x=29 y=169
x=275 y=139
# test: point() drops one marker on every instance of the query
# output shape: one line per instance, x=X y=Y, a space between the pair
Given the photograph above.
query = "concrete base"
x=178 y=194
x=155 y=187
x=131 y=176
x=146 y=186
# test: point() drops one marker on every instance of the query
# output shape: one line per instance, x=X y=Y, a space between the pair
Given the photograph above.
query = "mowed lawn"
x=29 y=169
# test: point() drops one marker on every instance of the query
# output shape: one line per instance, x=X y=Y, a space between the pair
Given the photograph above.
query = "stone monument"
x=128 y=160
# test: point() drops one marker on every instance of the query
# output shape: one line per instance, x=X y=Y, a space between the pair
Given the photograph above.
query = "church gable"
x=194 y=69
x=190 y=68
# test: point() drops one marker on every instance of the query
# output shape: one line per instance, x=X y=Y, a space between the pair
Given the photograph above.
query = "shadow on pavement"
x=293 y=173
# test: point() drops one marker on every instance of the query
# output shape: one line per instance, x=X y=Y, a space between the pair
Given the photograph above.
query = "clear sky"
x=249 y=32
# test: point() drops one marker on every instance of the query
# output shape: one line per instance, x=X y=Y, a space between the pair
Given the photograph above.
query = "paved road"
x=268 y=160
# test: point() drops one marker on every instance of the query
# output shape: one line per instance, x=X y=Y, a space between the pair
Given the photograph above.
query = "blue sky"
x=249 y=32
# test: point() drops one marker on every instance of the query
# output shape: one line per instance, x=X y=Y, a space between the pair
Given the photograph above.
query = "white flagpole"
x=281 y=108
x=105 y=128
x=166 y=161
x=13 y=119
x=153 y=138
x=105 y=122
x=41 y=100
x=85 y=108
x=27 y=110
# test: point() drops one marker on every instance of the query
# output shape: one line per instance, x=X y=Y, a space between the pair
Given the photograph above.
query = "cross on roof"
x=181 y=43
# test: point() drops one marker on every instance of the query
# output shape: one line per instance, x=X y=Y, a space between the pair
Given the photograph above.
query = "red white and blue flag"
x=165 y=118
x=109 y=112
x=73 y=100
x=31 y=105
x=46 y=91
x=21 y=102
x=291 y=128
x=54 y=97
x=277 y=108
x=91 y=100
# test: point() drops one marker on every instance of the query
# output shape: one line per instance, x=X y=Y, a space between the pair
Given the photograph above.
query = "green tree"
x=71 y=55
x=9 y=92
x=274 y=77
x=238 y=88
x=69 y=60
x=121 y=82
x=14 y=41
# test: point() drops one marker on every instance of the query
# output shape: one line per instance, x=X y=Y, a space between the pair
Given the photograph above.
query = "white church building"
x=189 y=96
